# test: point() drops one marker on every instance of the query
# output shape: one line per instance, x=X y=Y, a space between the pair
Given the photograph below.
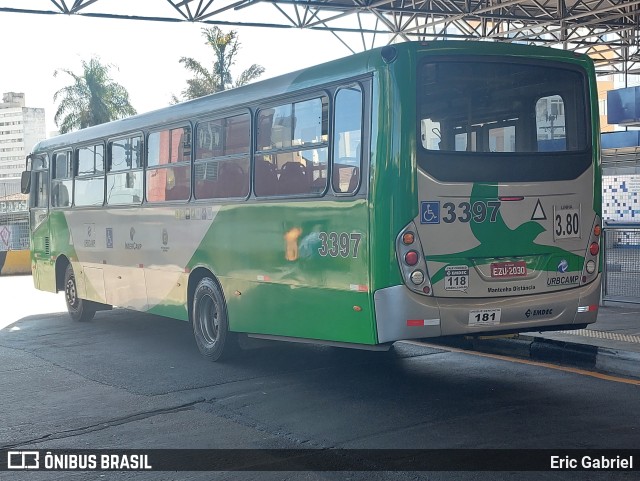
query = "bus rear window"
x=499 y=114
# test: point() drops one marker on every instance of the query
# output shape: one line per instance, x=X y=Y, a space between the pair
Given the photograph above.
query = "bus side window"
x=62 y=183
x=89 y=177
x=222 y=166
x=124 y=177
x=347 y=140
x=168 y=165
x=292 y=149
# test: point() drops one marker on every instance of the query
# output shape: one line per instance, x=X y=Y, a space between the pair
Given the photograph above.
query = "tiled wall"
x=621 y=204
x=621 y=198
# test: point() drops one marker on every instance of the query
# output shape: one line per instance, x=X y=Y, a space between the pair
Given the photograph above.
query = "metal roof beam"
x=581 y=25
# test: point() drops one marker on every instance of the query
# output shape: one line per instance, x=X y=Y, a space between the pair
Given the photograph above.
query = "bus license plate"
x=509 y=269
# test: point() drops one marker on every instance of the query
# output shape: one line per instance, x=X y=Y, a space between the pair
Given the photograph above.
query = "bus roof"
x=333 y=71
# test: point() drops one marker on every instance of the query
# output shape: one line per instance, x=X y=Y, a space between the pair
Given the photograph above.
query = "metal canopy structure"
x=607 y=30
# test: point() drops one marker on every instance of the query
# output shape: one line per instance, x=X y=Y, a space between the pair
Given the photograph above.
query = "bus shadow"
x=120 y=347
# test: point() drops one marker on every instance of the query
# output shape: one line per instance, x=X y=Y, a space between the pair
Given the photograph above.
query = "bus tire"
x=80 y=310
x=211 y=323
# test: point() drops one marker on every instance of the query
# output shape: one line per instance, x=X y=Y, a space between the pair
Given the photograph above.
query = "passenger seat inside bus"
x=231 y=180
x=266 y=178
x=293 y=179
x=60 y=195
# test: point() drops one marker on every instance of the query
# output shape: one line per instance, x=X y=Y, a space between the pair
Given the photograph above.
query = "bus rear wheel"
x=210 y=322
x=80 y=310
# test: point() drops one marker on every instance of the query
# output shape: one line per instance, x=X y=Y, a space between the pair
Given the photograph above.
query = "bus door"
x=38 y=190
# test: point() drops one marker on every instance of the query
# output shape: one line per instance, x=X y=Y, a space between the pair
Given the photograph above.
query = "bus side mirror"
x=25 y=182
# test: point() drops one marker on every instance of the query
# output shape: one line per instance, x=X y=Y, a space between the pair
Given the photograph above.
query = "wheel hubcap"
x=70 y=291
x=209 y=320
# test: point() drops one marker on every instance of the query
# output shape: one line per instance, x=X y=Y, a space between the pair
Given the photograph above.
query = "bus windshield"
x=498 y=114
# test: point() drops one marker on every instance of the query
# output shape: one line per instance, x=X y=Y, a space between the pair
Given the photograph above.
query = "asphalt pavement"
x=611 y=345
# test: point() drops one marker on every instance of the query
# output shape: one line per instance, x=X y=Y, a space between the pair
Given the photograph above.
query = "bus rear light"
x=408 y=238
x=591 y=308
x=510 y=198
x=591 y=261
x=411 y=258
x=417 y=277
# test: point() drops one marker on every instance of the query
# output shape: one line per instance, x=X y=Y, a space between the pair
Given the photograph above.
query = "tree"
x=93 y=98
x=225 y=47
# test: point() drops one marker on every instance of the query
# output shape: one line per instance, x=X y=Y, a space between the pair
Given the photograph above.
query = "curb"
x=624 y=363
x=601 y=359
x=15 y=262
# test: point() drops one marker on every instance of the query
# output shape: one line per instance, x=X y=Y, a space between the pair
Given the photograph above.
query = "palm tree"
x=225 y=47
x=93 y=98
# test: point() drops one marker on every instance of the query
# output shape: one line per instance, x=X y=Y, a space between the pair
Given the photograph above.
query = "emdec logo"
x=538 y=312
x=23 y=460
x=563 y=266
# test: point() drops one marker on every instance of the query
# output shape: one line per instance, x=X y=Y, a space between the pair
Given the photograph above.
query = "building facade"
x=21 y=128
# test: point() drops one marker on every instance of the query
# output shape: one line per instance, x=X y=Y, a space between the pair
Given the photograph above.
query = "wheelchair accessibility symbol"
x=430 y=212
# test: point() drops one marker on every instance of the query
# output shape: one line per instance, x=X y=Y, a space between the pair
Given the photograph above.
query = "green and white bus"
x=414 y=191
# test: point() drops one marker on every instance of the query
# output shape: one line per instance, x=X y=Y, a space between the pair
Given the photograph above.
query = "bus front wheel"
x=80 y=310
x=210 y=321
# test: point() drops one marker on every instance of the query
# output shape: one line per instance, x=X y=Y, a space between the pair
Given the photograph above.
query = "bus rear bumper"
x=402 y=314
